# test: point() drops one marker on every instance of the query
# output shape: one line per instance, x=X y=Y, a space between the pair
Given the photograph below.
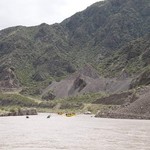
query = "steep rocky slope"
x=86 y=80
x=133 y=104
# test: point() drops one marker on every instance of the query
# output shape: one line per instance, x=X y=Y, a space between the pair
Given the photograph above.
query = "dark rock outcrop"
x=117 y=99
x=48 y=96
x=78 y=85
x=8 y=79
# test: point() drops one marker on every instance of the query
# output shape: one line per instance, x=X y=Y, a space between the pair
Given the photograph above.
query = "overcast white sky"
x=34 y=12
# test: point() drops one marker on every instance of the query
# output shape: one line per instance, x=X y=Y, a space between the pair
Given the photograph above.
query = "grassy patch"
x=16 y=100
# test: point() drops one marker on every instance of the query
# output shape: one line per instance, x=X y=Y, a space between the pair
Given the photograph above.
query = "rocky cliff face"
x=8 y=79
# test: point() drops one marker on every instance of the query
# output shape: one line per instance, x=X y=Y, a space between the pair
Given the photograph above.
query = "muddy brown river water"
x=73 y=133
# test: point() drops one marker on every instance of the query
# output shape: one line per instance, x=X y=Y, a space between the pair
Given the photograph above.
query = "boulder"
x=20 y=112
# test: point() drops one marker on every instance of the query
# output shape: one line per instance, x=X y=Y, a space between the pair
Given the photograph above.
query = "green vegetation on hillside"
x=91 y=36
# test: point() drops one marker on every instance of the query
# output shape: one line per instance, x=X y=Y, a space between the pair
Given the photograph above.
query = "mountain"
x=111 y=35
x=104 y=49
x=107 y=26
x=34 y=53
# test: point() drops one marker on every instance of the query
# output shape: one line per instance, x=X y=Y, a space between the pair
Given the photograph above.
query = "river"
x=81 y=132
